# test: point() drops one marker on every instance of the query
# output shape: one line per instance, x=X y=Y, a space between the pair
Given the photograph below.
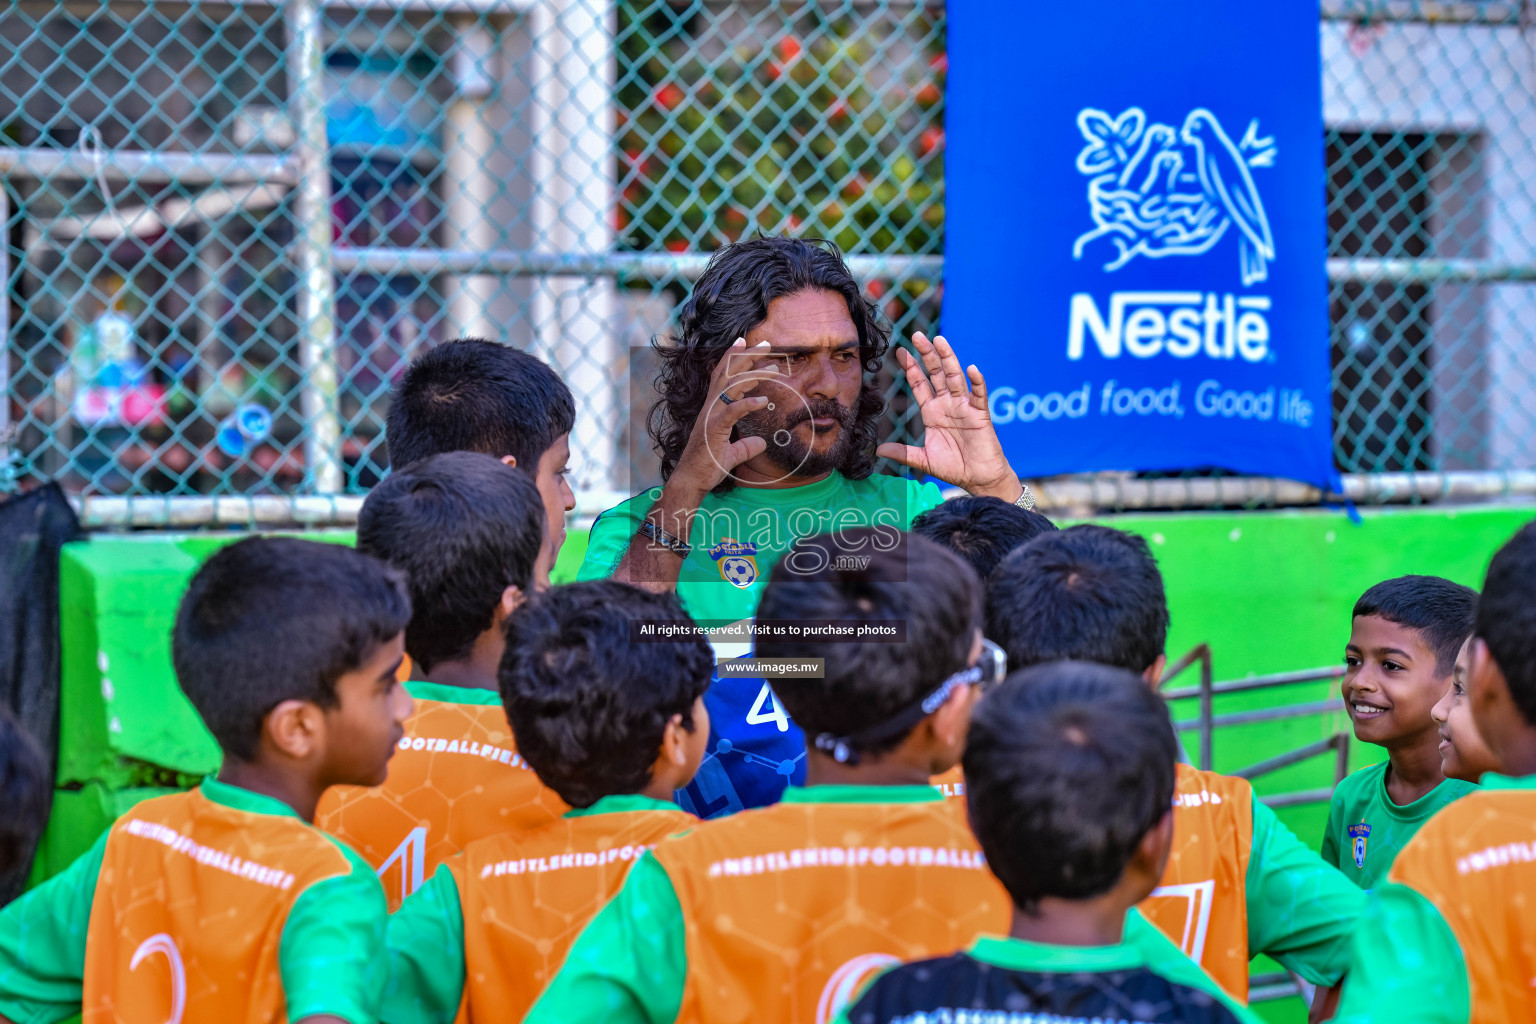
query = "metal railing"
x=1206 y=721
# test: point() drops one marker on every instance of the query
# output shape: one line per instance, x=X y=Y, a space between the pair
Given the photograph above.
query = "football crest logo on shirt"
x=737 y=562
x=1360 y=833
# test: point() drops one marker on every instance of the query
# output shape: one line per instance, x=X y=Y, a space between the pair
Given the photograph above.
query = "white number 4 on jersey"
x=774 y=714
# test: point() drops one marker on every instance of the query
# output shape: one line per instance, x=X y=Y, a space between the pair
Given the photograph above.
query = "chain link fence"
x=229 y=226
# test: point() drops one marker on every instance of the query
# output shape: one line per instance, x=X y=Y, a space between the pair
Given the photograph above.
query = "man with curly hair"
x=767 y=431
x=766 y=428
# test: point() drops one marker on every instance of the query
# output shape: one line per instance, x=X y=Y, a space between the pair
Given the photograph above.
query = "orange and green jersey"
x=1366 y=829
x=215 y=905
x=456 y=777
x=1450 y=937
x=480 y=940
x=1008 y=980
x=1239 y=883
x=780 y=913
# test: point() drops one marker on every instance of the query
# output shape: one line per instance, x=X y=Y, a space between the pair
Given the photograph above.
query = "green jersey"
x=1366 y=829
x=250 y=911
x=736 y=537
x=999 y=979
x=481 y=937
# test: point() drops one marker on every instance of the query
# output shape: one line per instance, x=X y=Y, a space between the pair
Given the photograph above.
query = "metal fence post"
x=470 y=146
x=573 y=199
x=1207 y=712
x=316 y=298
x=7 y=480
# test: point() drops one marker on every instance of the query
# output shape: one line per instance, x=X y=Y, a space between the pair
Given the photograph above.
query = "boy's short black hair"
x=907 y=579
x=587 y=703
x=24 y=793
x=269 y=619
x=462 y=527
x=1067 y=766
x=1439 y=610
x=1086 y=593
x=1506 y=617
x=981 y=529
x=477 y=396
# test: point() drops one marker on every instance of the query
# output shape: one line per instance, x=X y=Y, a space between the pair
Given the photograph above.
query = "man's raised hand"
x=960 y=444
x=710 y=454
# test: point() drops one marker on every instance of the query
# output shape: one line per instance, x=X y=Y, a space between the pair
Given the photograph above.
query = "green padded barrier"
x=122 y=720
x=1269 y=591
x=120 y=711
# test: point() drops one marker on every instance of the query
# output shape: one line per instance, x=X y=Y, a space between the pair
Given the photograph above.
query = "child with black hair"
x=1403 y=641
x=225 y=903
x=1091 y=593
x=468 y=532
x=776 y=913
x=1449 y=932
x=474 y=395
x=981 y=529
x=1071 y=769
x=611 y=725
x=23 y=794
x=1463 y=754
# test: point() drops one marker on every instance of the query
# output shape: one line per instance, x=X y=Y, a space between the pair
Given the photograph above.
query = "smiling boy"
x=1448 y=936
x=1398 y=664
x=1464 y=754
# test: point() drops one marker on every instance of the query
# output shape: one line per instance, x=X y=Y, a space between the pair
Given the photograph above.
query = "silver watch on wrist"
x=676 y=545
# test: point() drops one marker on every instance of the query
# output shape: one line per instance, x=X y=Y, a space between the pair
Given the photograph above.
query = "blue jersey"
x=755 y=751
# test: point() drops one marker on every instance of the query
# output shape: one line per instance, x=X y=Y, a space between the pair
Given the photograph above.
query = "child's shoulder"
x=1360 y=784
x=238 y=833
x=1490 y=827
x=1056 y=982
x=931 y=984
x=1199 y=787
x=1484 y=815
x=590 y=840
x=795 y=826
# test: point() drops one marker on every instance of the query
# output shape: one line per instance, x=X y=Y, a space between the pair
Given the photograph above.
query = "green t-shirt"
x=1366 y=829
x=426 y=937
x=1005 y=979
x=327 y=956
x=736 y=537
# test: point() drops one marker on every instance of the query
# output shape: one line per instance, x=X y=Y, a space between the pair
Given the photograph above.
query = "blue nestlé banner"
x=1135 y=232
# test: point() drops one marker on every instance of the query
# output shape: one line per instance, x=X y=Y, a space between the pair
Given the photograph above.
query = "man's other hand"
x=960 y=444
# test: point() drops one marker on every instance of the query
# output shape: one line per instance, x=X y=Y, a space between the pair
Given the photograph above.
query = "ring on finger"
x=726 y=399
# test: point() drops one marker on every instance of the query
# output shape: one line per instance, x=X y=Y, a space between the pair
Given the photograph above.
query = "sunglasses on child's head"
x=988 y=671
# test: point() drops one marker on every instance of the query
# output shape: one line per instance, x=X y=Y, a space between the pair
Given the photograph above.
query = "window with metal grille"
x=1406 y=354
